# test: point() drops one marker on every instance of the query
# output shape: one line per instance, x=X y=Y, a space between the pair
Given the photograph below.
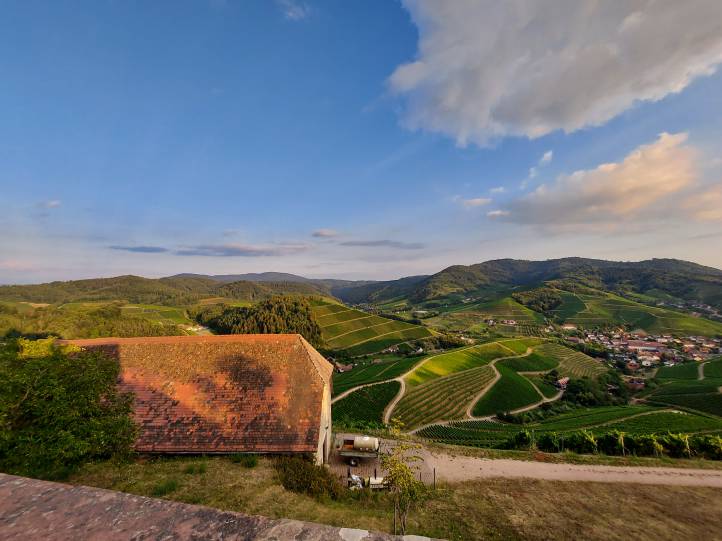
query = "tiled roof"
x=31 y=509
x=221 y=394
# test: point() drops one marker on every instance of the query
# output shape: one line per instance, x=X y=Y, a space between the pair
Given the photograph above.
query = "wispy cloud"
x=473 y=202
x=613 y=193
x=384 y=244
x=50 y=204
x=140 y=249
x=294 y=10
x=325 y=233
x=497 y=213
x=498 y=189
x=534 y=171
x=241 y=250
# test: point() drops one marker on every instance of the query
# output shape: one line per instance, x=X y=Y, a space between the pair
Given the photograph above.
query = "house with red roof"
x=243 y=393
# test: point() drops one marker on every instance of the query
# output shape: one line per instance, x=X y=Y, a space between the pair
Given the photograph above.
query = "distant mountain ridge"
x=676 y=278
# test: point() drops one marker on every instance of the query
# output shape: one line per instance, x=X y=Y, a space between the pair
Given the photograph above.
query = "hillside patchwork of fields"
x=359 y=333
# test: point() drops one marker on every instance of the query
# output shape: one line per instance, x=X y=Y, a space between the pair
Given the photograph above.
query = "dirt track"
x=462 y=468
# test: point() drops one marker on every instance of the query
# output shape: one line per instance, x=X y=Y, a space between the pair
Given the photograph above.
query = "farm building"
x=247 y=393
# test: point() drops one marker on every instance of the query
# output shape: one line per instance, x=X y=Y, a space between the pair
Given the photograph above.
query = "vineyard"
x=572 y=363
x=629 y=419
x=680 y=371
x=520 y=345
x=372 y=372
x=443 y=398
x=534 y=362
x=713 y=369
x=360 y=333
x=457 y=361
x=511 y=392
x=365 y=405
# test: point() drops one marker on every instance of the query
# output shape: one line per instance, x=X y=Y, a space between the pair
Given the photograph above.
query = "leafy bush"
x=195 y=468
x=707 y=446
x=549 y=442
x=581 y=442
x=612 y=443
x=303 y=476
x=245 y=460
x=644 y=445
x=58 y=410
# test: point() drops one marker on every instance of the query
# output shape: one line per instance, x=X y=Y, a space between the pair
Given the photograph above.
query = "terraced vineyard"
x=164 y=315
x=630 y=419
x=572 y=363
x=359 y=333
x=701 y=395
x=508 y=308
x=713 y=369
x=365 y=405
x=520 y=345
x=372 y=372
x=681 y=371
x=442 y=398
x=457 y=361
x=511 y=392
x=534 y=362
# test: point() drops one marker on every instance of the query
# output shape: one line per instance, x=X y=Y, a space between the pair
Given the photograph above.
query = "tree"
x=58 y=409
x=399 y=463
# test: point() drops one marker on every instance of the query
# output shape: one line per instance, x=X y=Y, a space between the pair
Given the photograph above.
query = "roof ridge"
x=310 y=350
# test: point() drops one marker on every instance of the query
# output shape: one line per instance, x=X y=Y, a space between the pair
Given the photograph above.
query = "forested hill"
x=174 y=291
x=660 y=277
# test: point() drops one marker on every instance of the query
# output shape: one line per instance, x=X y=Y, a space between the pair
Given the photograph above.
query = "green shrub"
x=612 y=443
x=677 y=445
x=59 y=410
x=165 y=487
x=707 y=446
x=195 y=468
x=304 y=477
x=581 y=442
x=245 y=460
x=549 y=442
x=520 y=440
x=644 y=444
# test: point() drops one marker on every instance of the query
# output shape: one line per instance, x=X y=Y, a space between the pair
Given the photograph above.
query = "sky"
x=368 y=139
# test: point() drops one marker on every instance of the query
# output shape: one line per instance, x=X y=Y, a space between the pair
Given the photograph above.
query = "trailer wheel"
x=353 y=462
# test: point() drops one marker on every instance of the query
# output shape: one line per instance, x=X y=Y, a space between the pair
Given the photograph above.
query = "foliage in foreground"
x=59 y=409
x=304 y=477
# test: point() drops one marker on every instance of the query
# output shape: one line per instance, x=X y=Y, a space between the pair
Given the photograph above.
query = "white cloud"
x=497 y=213
x=474 y=202
x=488 y=69
x=706 y=205
x=613 y=193
x=498 y=189
x=51 y=204
x=294 y=10
x=546 y=157
x=325 y=233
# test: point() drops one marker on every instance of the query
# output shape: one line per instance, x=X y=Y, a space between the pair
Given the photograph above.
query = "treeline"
x=277 y=315
x=175 y=291
x=620 y=443
x=104 y=320
x=541 y=299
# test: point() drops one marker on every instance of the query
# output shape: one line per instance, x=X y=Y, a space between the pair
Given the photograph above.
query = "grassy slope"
x=359 y=333
x=457 y=361
x=371 y=372
x=489 y=509
x=367 y=404
x=681 y=371
x=511 y=392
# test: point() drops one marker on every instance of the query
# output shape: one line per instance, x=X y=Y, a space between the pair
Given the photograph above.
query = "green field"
x=571 y=363
x=365 y=405
x=534 y=362
x=360 y=333
x=548 y=390
x=371 y=372
x=609 y=309
x=680 y=371
x=511 y=392
x=508 y=308
x=457 y=361
x=629 y=419
x=158 y=314
x=713 y=369
x=442 y=398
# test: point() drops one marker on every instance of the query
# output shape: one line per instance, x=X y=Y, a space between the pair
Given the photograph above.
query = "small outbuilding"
x=243 y=393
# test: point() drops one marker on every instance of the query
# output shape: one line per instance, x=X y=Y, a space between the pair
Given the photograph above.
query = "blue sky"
x=364 y=139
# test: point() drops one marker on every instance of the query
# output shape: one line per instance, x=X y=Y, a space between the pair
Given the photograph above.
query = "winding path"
x=700 y=371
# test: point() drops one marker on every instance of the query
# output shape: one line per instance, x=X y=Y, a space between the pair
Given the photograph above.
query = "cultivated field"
x=457 y=361
x=366 y=404
x=680 y=371
x=629 y=419
x=359 y=333
x=442 y=398
x=572 y=363
x=511 y=392
x=372 y=371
